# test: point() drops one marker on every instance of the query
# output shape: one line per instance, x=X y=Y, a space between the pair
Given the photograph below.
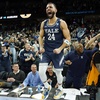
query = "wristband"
x=67 y=42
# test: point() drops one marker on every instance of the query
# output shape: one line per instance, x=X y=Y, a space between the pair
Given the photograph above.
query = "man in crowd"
x=79 y=63
x=51 y=77
x=33 y=78
x=27 y=58
x=17 y=76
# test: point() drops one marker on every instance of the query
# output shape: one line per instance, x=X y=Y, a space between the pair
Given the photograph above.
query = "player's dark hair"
x=52 y=3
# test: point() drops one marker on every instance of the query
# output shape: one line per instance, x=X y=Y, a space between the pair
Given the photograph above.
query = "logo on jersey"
x=56 y=30
x=57 y=24
x=51 y=33
x=27 y=55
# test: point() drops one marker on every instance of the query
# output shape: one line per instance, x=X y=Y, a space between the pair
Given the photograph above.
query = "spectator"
x=51 y=77
x=5 y=59
x=13 y=49
x=78 y=61
x=36 y=46
x=27 y=58
x=17 y=76
x=33 y=78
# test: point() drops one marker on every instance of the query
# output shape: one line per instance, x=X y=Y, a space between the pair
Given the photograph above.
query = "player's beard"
x=50 y=17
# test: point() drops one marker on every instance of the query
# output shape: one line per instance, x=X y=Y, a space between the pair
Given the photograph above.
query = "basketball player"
x=54 y=37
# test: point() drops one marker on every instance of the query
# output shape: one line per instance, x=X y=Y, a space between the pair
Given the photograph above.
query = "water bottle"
x=30 y=91
x=39 y=88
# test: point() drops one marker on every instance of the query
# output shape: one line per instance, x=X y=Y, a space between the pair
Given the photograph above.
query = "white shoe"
x=58 y=94
x=45 y=92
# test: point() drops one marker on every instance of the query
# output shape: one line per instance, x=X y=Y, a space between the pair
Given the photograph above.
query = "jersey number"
x=51 y=36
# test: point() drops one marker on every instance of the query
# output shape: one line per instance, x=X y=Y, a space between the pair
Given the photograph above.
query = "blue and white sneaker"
x=58 y=94
x=45 y=93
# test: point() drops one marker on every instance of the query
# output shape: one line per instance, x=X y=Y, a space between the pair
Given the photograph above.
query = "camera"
x=92 y=90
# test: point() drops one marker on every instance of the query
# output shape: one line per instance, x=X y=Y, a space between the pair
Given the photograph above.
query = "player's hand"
x=68 y=62
x=42 y=50
x=56 y=51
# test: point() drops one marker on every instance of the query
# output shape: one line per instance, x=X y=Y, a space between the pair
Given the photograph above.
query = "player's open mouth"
x=49 y=13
